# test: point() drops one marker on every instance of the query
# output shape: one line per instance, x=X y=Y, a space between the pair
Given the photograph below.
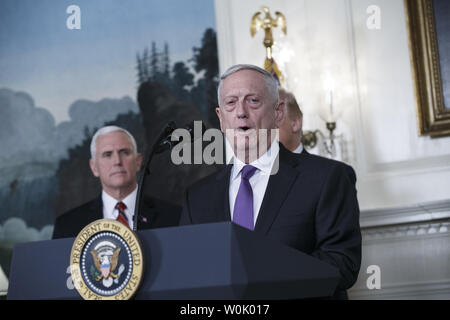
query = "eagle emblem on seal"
x=106 y=259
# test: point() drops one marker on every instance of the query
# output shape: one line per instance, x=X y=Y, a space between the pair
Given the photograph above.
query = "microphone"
x=173 y=138
x=163 y=143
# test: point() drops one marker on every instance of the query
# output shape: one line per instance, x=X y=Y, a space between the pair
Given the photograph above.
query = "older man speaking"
x=305 y=201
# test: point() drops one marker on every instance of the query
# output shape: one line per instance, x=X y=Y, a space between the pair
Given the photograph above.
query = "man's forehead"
x=113 y=140
x=244 y=84
x=244 y=75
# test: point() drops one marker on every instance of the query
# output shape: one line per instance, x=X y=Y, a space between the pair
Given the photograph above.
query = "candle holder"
x=310 y=138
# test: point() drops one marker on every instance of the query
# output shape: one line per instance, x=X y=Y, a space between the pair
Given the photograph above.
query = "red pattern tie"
x=121 y=217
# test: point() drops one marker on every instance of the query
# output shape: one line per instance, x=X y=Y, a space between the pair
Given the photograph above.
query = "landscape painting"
x=67 y=69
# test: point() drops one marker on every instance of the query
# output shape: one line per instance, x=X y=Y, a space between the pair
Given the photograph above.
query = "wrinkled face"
x=116 y=163
x=248 y=110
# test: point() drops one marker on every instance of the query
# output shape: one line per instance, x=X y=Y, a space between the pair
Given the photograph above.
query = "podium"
x=208 y=262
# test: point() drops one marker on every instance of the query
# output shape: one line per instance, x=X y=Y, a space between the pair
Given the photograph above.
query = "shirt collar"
x=263 y=163
x=299 y=149
x=110 y=202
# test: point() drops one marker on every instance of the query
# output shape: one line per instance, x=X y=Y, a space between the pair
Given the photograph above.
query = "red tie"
x=122 y=216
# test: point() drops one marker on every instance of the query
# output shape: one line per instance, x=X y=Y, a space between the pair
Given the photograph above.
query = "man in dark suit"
x=115 y=161
x=304 y=201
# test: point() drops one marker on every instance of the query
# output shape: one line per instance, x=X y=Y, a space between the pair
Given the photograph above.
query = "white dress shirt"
x=258 y=181
x=109 y=206
x=299 y=149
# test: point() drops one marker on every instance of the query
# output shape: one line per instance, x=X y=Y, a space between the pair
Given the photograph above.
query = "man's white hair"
x=272 y=85
x=106 y=130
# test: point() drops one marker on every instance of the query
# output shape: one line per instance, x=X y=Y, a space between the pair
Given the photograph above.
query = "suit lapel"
x=221 y=198
x=146 y=215
x=277 y=189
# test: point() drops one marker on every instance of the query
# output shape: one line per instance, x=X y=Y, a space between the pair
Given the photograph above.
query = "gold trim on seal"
x=129 y=237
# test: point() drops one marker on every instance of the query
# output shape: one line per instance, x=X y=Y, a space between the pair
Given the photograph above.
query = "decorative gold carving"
x=268 y=24
x=433 y=117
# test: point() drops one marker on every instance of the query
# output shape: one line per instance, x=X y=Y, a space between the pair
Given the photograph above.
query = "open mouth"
x=244 y=129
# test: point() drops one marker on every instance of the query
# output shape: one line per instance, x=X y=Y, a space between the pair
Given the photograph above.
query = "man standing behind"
x=291 y=125
x=306 y=202
x=115 y=161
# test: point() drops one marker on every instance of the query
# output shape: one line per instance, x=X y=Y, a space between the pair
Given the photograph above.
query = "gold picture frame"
x=433 y=116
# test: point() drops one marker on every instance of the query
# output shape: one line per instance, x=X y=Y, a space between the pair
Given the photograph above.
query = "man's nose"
x=241 y=110
x=117 y=159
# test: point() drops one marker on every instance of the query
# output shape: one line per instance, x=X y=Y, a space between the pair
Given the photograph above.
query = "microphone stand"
x=168 y=129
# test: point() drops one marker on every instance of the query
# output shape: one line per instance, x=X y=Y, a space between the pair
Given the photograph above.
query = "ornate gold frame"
x=433 y=117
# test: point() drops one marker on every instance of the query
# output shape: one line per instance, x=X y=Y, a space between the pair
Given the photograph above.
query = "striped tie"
x=121 y=217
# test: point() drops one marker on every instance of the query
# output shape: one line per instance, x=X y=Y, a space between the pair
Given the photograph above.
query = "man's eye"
x=107 y=154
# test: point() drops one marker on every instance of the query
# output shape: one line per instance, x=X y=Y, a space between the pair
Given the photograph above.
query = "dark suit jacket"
x=310 y=205
x=154 y=213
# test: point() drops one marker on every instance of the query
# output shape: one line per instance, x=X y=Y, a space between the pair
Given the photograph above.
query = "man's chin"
x=246 y=151
x=121 y=182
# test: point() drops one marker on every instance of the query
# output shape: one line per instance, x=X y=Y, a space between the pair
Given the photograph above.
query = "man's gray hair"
x=106 y=130
x=272 y=85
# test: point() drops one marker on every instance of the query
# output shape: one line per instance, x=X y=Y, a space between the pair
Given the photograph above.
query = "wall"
x=403 y=179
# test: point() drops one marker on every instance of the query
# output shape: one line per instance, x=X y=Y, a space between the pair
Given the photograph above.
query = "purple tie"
x=243 y=206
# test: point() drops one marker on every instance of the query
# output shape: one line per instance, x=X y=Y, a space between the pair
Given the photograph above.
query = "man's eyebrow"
x=106 y=152
x=120 y=150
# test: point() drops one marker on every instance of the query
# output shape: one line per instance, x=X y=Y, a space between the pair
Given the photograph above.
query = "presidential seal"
x=106 y=261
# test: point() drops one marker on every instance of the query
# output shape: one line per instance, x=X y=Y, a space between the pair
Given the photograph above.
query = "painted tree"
x=205 y=60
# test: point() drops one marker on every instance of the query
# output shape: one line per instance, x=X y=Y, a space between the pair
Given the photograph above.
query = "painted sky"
x=57 y=66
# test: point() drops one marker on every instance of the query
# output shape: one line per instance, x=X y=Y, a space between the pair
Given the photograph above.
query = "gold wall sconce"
x=263 y=20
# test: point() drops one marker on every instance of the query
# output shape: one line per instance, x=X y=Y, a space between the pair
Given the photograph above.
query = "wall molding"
x=437 y=211
x=406 y=232
x=395 y=237
x=415 y=290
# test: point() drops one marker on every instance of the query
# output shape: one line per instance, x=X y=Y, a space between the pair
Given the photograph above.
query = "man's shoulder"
x=317 y=163
x=95 y=203
x=70 y=223
x=88 y=207
x=220 y=176
x=159 y=214
x=151 y=203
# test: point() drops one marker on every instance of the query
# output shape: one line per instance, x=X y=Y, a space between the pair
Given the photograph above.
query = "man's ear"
x=219 y=115
x=139 y=161
x=93 y=168
x=296 y=124
x=279 y=113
